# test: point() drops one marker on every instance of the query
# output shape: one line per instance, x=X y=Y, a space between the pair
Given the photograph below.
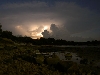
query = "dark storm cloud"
x=68 y=18
x=46 y=34
x=77 y=19
x=59 y=32
x=62 y=33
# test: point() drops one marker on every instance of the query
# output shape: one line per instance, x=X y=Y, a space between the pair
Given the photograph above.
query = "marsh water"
x=61 y=54
x=75 y=51
x=62 y=57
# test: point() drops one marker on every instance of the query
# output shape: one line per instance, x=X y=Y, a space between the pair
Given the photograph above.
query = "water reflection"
x=62 y=57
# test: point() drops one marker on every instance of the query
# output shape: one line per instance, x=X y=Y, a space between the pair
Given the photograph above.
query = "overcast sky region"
x=76 y=20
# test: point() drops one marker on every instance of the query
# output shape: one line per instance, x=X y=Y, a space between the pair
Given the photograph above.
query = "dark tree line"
x=0 y=29
x=43 y=41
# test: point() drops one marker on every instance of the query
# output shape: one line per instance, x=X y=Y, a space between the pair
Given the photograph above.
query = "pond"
x=62 y=57
x=89 y=54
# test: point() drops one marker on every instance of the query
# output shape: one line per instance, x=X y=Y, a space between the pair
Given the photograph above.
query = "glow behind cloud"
x=32 y=18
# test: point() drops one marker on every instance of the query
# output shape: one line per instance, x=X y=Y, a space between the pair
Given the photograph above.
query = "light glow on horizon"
x=37 y=31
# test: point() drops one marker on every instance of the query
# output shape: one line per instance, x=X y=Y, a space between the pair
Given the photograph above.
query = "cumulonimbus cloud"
x=70 y=18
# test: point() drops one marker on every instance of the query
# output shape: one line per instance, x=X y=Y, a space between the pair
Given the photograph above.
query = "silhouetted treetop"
x=0 y=29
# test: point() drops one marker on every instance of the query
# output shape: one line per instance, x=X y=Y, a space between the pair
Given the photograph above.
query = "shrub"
x=6 y=41
x=39 y=59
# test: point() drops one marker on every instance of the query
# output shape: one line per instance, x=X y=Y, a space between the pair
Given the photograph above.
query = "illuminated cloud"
x=32 y=18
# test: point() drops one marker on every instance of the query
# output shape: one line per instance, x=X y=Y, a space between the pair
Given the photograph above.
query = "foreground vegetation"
x=18 y=59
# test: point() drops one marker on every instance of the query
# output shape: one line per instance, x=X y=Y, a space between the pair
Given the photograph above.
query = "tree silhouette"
x=7 y=34
x=0 y=29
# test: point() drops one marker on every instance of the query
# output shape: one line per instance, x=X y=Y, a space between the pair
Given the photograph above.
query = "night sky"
x=77 y=20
